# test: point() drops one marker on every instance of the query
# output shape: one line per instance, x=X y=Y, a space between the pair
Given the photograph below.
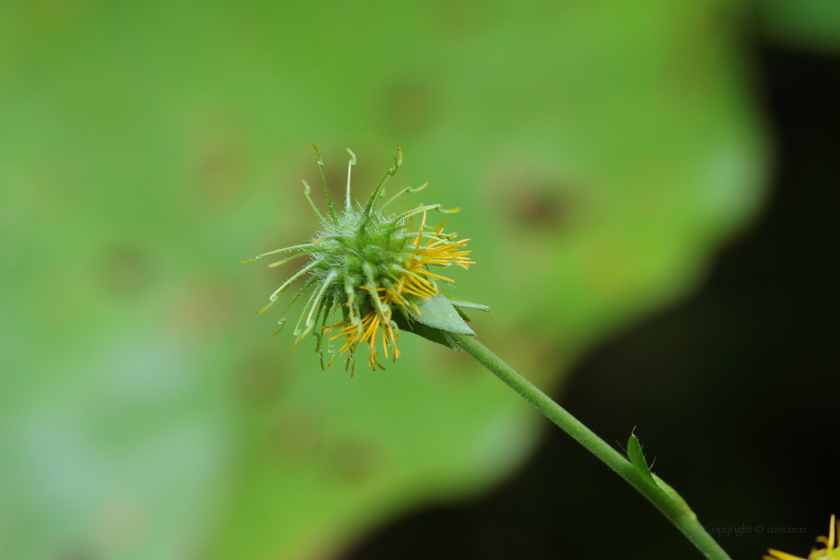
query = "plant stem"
x=686 y=523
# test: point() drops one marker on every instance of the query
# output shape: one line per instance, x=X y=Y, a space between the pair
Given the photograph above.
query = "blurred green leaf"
x=813 y=24
x=601 y=153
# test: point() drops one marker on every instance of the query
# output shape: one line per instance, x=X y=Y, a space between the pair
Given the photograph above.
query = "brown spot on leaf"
x=295 y=437
x=127 y=269
x=542 y=205
x=409 y=106
x=536 y=201
x=218 y=174
x=206 y=305
x=217 y=168
x=355 y=461
x=462 y=19
x=258 y=378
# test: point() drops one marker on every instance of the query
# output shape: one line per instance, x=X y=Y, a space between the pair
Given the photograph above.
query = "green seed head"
x=368 y=263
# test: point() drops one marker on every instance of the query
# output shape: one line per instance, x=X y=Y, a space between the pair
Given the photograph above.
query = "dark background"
x=736 y=390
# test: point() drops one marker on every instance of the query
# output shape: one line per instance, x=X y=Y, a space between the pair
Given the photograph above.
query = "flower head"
x=827 y=553
x=368 y=264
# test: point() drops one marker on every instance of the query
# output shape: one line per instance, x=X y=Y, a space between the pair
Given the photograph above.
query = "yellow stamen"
x=415 y=283
x=778 y=555
x=439 y=277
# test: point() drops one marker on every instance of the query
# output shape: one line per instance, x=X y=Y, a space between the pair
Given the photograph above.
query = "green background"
x=601 y=153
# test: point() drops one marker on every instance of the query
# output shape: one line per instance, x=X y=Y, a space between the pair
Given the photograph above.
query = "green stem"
x=686 y=523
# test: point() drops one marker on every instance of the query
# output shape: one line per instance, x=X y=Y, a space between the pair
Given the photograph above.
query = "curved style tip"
x=320 y=159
